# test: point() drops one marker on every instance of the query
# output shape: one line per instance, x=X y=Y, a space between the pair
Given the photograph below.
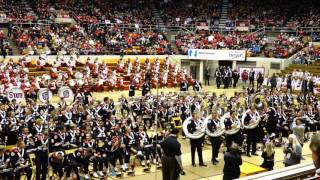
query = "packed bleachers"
x=285 y=45
x=98 y=40
x=215 y=40
x=276 y=13
x=177 y=13
x=102 y=27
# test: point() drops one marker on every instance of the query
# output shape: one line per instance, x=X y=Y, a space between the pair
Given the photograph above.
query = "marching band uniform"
x=184 y=86
x=213 y=125
x=145 y=89
x=251 y=133
x=196 y=144
x=19 y=157
x=41 y=153
x=251 y=77
x=132 y=89
x=228 y=123
x=197 y=85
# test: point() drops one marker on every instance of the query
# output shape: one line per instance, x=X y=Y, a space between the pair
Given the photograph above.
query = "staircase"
x=224 y=14
x=156 y=14
x=15 y=48
x=26 y=5
x=314 y=68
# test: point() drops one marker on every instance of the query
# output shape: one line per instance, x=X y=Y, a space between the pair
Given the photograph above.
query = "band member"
x=207 y=76
x=41 y=156
x=184 y=109
x=213 y=125
x=20 y=161
x=197 y=85
x=58 y=161
x=218 y=78
x=196 y=144
x=132 y=89
x=235 y=77
x=5 y=166
x=251 y=116
x=251 y=77
x=184 y=86
x=145 y=88
x=232 y=123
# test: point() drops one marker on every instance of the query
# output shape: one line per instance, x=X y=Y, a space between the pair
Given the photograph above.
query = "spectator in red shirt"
x=244 y=77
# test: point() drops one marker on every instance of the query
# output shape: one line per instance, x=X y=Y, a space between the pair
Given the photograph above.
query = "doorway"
x=225 y=63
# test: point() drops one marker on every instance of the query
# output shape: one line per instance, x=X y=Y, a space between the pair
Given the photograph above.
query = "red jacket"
x=244 y=76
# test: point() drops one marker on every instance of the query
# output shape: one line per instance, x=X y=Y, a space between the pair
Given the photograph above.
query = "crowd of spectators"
x=216 y=40
x=96 y=40
x=308 y=55
x=177 y=13
x=17 y=11
x=285 y=45
x=275 y=13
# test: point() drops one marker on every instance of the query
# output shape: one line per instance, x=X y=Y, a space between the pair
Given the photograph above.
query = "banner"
x=44 y=95
x=15 y=93
x=66 y=93
x=202 y=26
x=212 y=54
x=242 y=25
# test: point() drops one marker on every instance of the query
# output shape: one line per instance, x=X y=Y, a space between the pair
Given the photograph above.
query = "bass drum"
x=197 y=134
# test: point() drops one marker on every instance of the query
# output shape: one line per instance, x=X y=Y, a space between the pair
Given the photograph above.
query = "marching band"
x=112 y=135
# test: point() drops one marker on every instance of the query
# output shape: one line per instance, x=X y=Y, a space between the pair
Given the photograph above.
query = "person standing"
x=260 y=80
x=251 y=115
x=232 y=162
x=298 y=129
x=171 y=159
x=42 y=156
x=218 y=78
x=214 y=124
x=311 y=85
x=235 y=77
x=207 y=76
x=251 y=77
x=132 y=90
x=292 y=151
x=197 y=86
x=184 y=86
x=244 y=77
x=315 y=149
x=145 y=88
x=196 y=144
x=304 y=86
x=289 y=83
x=273 y=81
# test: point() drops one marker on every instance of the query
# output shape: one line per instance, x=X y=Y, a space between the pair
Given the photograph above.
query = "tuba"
x=254 y=122
x=218 y=132
x=235 y=128
x=197 y=134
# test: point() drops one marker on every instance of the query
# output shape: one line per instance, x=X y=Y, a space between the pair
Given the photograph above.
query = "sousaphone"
x=219 y=130
x=235 y=128
x=253 y=122
x=195 y=135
